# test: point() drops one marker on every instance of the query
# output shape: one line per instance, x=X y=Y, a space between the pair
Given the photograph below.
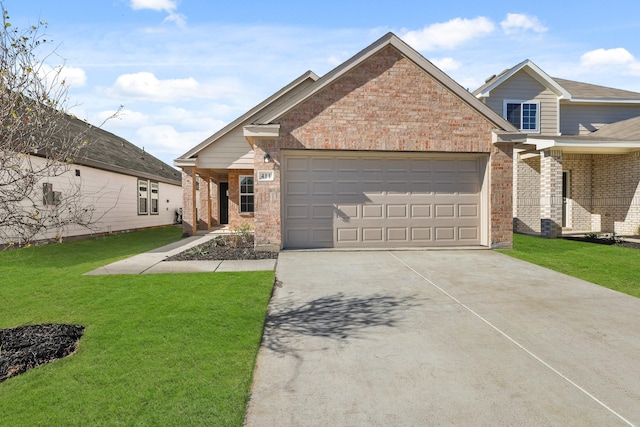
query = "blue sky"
x=182 y=69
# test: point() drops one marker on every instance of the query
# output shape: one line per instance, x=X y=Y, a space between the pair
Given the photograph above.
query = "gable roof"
x=250 y=115
x=568 y=90
x=389 y=39
x=107 y=151
x=529 y=67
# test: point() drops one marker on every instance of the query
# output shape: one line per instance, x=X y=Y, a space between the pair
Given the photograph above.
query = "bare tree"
x=37 y=141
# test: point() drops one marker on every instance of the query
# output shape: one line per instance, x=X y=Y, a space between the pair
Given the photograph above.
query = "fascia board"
x=534 y=71
x=605 y=101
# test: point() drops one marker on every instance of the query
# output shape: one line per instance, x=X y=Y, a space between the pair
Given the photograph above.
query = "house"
x=123 y=186
x=383 y=151
x=577 y=161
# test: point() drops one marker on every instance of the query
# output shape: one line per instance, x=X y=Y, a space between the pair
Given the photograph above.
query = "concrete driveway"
x=416 y=338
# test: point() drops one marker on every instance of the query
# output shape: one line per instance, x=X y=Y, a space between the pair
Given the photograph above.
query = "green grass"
x=175 y=349
x=613 y=267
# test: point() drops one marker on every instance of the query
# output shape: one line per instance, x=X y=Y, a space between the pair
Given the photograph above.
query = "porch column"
x=204 y=213
x=189 y=220
x=551 y=193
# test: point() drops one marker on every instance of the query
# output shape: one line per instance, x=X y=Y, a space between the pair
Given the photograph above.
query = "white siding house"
x=125 y=187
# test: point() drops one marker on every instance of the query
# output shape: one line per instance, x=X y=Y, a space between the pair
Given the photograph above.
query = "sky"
x=182 y=69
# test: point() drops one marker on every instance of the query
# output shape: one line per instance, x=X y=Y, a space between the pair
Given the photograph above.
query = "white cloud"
x=146 y=86
x=69 y=76
x=450 y=34
x=446 y=64
x=517 y=23
x=606 y=57
x=165 y=139
x=619 y=59
x=168 y=6
x=157 y=5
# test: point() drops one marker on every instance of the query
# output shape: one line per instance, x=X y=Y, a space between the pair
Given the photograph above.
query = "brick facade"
x=604 y=193
x=527 y=216
x=387 y=103
x=616 y=193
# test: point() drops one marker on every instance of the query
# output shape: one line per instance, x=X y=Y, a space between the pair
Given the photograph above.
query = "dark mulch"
x=607 y=240
x=227 y=247
x=27 y=347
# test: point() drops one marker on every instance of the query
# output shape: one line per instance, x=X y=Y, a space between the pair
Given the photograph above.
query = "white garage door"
x=365 y=201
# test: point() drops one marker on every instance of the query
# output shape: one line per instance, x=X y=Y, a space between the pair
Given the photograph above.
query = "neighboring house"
x=577 y=164
x=383 y=151
x=126 y=187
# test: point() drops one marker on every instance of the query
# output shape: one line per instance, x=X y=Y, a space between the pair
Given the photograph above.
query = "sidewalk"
x=152 y=262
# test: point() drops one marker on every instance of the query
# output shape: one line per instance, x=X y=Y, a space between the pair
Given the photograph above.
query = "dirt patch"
x=225 y=247
x=27 y=347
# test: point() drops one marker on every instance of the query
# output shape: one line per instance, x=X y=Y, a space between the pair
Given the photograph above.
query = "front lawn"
x=614 y=267
x=167 y=349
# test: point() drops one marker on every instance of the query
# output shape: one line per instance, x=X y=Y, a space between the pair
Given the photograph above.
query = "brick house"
x=383 y=151
x=577 y=159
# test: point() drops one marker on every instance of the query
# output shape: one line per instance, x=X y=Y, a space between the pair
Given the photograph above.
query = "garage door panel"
x=373 y=234
x=420 y=211
x=351 y=200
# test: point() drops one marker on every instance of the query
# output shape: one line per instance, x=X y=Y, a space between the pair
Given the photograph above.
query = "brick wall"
x=527 y=219
x=579 y=168
x=551 y=193
x=616 y=196
x=237 y=219
x=387 y=103
x=189 y=224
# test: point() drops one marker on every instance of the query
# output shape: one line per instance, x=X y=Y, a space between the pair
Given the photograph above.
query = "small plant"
x=241 y=234
x=592 y=235
x=198 y=250
x=218 y=241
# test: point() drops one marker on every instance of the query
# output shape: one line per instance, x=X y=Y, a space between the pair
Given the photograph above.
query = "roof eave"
x=391 y=39
x=248 y=115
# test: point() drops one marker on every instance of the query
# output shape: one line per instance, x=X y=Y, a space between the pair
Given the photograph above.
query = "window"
x=246 y=193
x=50 y=197
x=523 y=115
x=143 y=197
x=155 y=198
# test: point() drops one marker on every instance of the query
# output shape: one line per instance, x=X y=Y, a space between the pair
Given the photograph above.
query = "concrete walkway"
x=152 y=262
x=455 y=338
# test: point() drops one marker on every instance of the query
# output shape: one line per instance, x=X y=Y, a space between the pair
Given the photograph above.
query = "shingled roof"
x=107 y=151
x=589 y=91
x=623 y=130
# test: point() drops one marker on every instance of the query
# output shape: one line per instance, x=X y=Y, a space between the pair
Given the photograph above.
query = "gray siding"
x=232 y=151
x=581 y=119
x=521 y=86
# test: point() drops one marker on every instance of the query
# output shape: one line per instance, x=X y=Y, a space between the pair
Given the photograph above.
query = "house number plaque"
x=265 y=175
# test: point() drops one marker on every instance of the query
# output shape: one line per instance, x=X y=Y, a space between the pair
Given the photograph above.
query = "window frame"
x=246 y=194
x=146 y=197
x=522 y=103
x=154 y=197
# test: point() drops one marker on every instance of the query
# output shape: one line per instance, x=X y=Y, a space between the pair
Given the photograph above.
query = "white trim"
x=534 y=71
x=240 y=194
x=605 y=101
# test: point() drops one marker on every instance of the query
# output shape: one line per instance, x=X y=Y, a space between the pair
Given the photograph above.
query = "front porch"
x=215 y=197
x=560 y=191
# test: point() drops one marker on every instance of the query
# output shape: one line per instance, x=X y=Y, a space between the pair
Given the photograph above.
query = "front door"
x=223 y=196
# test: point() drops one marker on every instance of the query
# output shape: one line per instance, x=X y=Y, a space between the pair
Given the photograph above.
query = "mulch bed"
x=27 y=347
x=225 y=247
x=606 y=240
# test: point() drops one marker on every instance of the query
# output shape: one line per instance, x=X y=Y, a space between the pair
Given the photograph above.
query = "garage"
x=337 y=199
